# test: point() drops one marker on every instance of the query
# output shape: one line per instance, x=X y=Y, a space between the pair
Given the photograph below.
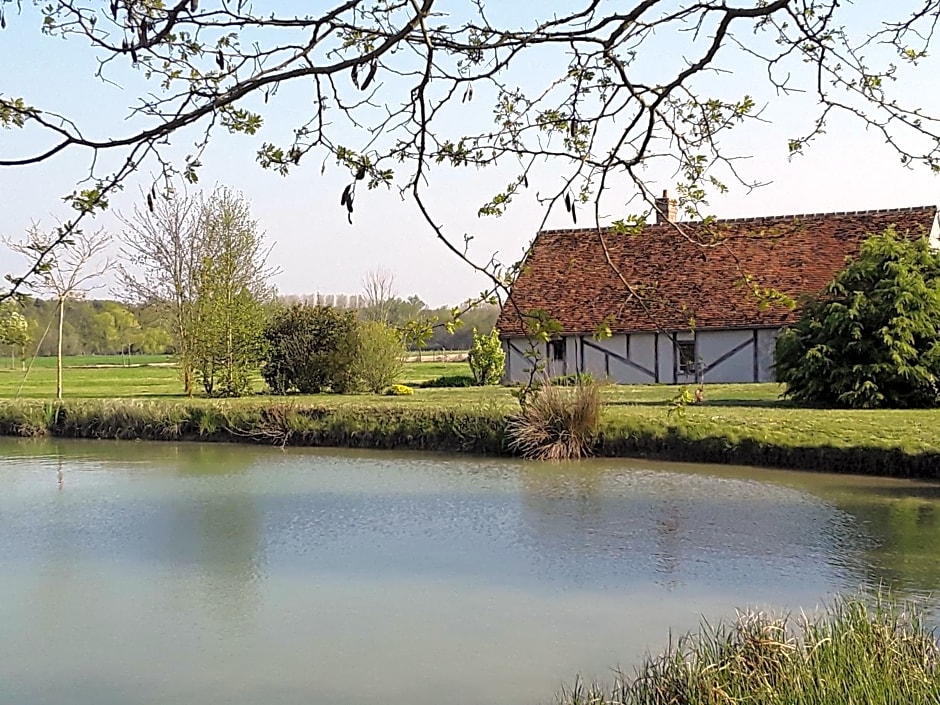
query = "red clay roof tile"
x=691 y=270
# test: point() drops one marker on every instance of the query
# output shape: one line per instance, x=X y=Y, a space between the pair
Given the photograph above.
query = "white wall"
x=766 y=343
x=665 y=360
x=516 y=362
x=596 y=362
x=712 y=345
x=607 y=358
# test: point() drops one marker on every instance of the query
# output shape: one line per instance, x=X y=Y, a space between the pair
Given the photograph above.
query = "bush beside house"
x=873 y=338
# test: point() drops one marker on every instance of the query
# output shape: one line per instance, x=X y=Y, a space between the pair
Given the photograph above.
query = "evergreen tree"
x=873 y=338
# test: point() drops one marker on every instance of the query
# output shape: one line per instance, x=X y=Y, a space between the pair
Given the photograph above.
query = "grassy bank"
x=903 y=444
x=478 y=430
x=745 y=424
x=855 y=652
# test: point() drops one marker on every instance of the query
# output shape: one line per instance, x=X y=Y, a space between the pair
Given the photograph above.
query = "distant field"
x=93 y=360
x=98 y=376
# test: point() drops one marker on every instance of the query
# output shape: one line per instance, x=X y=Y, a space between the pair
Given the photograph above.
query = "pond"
x=159 y=573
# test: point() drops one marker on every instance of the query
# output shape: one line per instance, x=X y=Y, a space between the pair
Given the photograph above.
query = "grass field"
x=94 y=361
x=732 y=415
x=105 y=376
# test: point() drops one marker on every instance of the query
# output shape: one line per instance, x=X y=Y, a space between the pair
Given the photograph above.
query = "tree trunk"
x=58 y=363
x=184 y=352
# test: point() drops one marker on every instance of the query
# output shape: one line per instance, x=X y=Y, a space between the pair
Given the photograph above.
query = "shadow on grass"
x=717 y=403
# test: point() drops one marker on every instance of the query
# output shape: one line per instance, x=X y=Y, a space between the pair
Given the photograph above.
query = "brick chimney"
x=666 y=211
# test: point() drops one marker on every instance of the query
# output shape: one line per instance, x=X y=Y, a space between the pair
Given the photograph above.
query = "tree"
x=379 y=356
x=620 y=88
x=486 y=358
x=310 y=349
x=378 y=286
x=14 y=331
x=416 y=332
x=67 y=275
x=162 y=250
x=481 y=317
x=110 y=328
x=873 y=338
x=231 y=287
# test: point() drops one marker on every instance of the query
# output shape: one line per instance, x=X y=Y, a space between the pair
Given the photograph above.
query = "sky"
x=316 y=250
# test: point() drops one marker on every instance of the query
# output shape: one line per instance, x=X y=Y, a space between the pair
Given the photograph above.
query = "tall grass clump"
x=25 y=418
x=557 y=423
x=858 y=651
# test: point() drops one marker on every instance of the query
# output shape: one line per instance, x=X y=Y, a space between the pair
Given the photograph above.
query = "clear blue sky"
x=317 y=250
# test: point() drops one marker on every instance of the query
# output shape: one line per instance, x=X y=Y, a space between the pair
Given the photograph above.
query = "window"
x=556 y=350
x=686 y=351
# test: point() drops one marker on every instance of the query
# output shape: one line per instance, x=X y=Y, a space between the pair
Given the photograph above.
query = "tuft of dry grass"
x=557 y=422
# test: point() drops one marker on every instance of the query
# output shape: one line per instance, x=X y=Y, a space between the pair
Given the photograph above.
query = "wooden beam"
x=656 y=356
x=625 y=360
x=734 y=351
x=756 y=362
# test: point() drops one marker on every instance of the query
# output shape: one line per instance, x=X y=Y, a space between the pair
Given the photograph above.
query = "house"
x=678 y=301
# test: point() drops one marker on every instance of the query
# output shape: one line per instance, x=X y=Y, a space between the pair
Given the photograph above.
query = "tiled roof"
x=566 y=273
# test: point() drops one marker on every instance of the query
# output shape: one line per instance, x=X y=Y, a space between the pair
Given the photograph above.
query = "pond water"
x=157 y=573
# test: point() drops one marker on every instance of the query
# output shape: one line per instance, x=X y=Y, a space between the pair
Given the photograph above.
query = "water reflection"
x=895 y=523
x=215 y=552
x=199 y=518
x=613 y=522
x=158 y=573
x=902 y=525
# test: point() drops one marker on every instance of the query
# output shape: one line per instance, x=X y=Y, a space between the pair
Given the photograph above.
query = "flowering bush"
x=399 y=390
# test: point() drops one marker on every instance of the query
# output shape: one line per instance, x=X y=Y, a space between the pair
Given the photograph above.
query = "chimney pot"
x=666 y=211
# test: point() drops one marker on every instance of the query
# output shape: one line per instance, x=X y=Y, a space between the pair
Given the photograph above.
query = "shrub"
x=311 y=349
x=557 y=423
x=487 y=358
x=379 y=356
x=450 y=381
x=873 y=339
x=573 y=379
x=399 y=390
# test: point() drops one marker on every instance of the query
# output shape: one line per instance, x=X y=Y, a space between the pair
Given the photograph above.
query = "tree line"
x=112 y=327
x=195 y=281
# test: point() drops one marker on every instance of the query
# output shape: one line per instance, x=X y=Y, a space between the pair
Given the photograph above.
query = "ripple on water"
x=212 y=574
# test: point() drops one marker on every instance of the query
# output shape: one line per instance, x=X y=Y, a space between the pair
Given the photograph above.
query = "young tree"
x=379 y=356
x=487 y=358
x=163 y=247
x=14 y=331
x=231 y=287
x=873 y=337
x=397 y=91
x=69 y=275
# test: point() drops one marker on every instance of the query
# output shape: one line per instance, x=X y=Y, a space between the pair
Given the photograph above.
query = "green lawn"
x=731 y=412
x=103 y=376
x=755 y=412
